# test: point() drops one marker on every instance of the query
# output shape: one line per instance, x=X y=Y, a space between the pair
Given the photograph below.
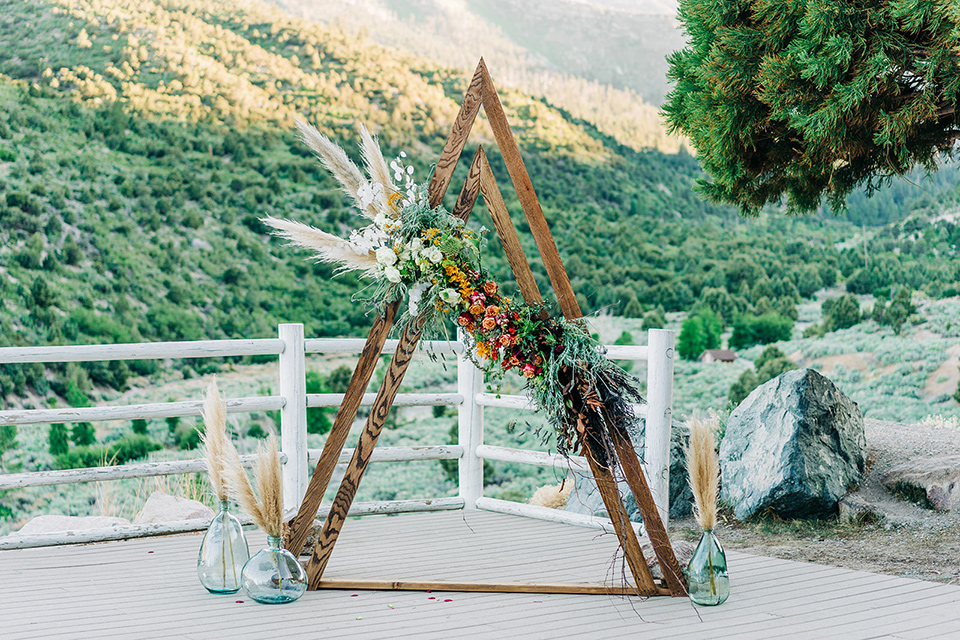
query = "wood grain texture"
x=469 y=109
x=471 y=188
x=528 y=197
x=508 y=234
x=364 y=450
x=478 y=587
x=657 y=533
x=300 y=525
x=645 y=585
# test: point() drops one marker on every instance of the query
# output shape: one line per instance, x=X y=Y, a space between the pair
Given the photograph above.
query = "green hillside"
x=140 y=143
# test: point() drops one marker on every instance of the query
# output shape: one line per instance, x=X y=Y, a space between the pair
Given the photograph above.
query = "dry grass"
x=336 y=161
x=327 y=247
x=215 y=443
x=267 y=509
x=552 y=496
x=704 y=468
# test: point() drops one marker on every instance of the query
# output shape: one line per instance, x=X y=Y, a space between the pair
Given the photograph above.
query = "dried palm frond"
x=267 y=510
x=216 y=445
x=704 y=469
x=336 y=162
x=377 y=168
x=328 y=247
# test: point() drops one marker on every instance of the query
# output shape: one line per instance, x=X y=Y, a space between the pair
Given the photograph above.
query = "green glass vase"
x=273 y=575
x=707 y=581
x=223 y=553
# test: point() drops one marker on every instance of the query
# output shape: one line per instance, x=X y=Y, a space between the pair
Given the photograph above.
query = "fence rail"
x=291 y=348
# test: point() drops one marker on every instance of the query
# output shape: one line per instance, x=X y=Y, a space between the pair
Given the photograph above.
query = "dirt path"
x=909 y=541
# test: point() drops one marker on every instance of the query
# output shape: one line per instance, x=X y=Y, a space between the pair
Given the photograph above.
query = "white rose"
x=393 y=274
x=450 y=296
x=433 y=254
x=415 y=246
x=386 y=256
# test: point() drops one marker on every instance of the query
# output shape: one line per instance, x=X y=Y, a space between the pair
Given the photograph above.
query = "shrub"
x=59 y=439
x=131 y=447
x=83 y=434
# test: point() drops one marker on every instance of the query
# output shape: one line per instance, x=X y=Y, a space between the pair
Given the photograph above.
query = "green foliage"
x=771 y=363
x=318 y=420
x=128 y=448
x=8 y=442
x=58 y=439
x=806 y=99
x=699 y=333
x=139 y=426
x=83 y=434
x=896 y=312
x=749 y=330
x=653 y=320
x=841 y=313
x=187 y=437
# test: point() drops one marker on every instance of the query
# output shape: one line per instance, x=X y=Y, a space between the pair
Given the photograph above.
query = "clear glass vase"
x=223 y=553
x=273 y=575
x=707 y=581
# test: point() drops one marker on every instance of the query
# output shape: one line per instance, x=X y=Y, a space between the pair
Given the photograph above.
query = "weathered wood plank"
x=471 y=188
x=299 y=527
x=143 y=351
x=483 y=587
x=402 y=399
x=657 y=533
x=621 y=523
x=469 y=109
x=507 y=234
x=361 y=458
x=528 y=197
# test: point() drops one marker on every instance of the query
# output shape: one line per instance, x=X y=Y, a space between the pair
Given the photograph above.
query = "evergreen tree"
x=140 y=426
x=841 y=313
x=83 y=434
x=8 y=442
x=806 y=99
x=59 y=439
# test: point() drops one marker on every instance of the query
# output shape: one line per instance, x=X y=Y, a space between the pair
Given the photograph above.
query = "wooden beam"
x=469 y=109
x=507 y=233
x=300 y=525
x=479 y=587
x=528 y=197
x=361 y=456
x=673 y=576
x=471 y=188
x=621 y=524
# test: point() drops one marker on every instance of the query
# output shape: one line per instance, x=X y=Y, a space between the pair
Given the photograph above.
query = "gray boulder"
x=934 y=482
x=161 y=507
x=794 y=446
x=585 y=497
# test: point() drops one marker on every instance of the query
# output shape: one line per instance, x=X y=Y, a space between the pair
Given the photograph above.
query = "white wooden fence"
x=291 y=348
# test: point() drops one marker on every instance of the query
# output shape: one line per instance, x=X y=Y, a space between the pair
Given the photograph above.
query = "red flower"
x=464 y=319
x=529 y=370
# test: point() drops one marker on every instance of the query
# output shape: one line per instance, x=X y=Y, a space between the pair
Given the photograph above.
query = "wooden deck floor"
x=147 y=588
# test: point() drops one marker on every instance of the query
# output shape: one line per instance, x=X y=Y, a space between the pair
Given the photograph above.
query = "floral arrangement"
x=426 y=255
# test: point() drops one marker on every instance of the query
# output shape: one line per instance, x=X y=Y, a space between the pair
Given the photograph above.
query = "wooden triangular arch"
x=480 y=179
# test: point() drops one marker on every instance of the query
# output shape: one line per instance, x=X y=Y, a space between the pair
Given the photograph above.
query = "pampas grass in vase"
x=273 y=575
x=224 y=549
x=707 y=580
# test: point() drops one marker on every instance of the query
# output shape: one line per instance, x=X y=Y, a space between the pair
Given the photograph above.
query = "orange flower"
x=476 y=309
x=490 y=287
x=492 y=310
x=489 y=323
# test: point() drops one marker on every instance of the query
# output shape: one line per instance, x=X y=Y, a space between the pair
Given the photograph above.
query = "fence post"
x=469 y=430
x=659 y=417
x=293 y=415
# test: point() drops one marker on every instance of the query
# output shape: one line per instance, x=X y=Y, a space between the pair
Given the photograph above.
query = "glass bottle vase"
x=223 y=553
x=273 y=575
x=707 y=580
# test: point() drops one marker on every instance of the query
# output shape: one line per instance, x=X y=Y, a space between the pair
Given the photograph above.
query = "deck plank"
x=119 y=590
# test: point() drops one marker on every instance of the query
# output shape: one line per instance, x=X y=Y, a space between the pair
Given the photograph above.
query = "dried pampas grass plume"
x=704 y=469
x=377 y=168
x=216 y=445
x=267 y=510
x=337 y=162
x=328 y=247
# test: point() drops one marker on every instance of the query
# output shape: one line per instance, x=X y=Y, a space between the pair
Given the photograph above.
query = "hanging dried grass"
x=336 y=161
x=267 y=510
x=328 y=247
x=377 y=168
x=704 y=469
x=216 y=445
